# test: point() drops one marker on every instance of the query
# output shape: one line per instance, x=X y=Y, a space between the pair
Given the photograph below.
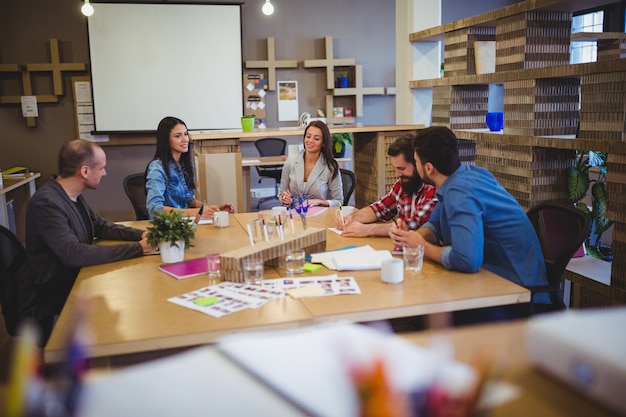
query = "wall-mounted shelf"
x=542 y=93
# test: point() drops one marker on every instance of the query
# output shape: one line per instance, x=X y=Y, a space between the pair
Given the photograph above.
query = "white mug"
x=392 y=270
x=220 y=219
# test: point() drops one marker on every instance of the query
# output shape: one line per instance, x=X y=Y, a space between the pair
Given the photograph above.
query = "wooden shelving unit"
x=546 y=101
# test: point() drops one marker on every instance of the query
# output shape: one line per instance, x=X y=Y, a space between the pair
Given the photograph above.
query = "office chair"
x=270 y=147
x=561 y=229
x=349 y=183
x=135 y=188
x=12 y=270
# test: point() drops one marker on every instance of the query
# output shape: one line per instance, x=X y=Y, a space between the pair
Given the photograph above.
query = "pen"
x=250 y=235
x=293 y=231
x=265 y=236
x=343 y=222
x=199 y=215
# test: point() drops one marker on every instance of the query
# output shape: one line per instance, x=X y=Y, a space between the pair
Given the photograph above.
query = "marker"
x=250 y=235
x=343 y=222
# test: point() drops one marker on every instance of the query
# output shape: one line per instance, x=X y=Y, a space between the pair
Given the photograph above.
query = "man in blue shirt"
x=477 y=223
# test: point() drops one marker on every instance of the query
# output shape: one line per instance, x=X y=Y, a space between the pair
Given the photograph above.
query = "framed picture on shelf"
x=337 y=111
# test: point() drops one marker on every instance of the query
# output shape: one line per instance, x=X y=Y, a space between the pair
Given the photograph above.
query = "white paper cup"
x=392 y=271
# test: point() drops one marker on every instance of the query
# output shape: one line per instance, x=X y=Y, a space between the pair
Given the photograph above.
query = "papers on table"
x=203 y=220
x=226 y=298
x=229 y=297
x=353 y=259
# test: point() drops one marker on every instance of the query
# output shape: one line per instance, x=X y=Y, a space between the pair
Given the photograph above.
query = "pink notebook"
x=186 y=269
x=315 y=211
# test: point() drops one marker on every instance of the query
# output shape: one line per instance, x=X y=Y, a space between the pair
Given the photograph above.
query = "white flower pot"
x=171 y=253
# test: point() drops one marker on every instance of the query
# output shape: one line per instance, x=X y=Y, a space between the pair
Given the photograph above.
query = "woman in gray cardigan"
x=313 y=173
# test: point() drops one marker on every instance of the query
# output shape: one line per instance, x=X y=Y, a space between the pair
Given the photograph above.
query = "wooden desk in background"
x=248 y=163
x=21 y=189
x=129 y=312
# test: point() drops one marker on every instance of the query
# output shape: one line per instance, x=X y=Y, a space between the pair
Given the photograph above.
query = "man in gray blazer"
x=61 y=230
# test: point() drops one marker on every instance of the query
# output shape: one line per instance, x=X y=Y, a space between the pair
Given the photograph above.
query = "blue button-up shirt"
x=161 y=192
x=481 y=224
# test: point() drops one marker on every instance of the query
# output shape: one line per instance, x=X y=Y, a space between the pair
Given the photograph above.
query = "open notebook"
x=352 y=259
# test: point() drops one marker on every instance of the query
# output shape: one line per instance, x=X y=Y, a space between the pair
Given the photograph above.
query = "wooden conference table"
x=129 y=313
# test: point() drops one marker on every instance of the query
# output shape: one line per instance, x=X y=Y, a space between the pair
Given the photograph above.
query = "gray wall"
x=361 y=29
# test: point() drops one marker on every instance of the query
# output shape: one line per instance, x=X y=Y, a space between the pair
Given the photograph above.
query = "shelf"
x=555 y=142
x=489 y=18
x=595 y=36
x=563 y=71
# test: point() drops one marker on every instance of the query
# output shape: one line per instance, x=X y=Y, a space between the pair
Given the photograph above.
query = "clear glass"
x=413 y=258
x=214 y=265
x=253 y=271
x=295 y=261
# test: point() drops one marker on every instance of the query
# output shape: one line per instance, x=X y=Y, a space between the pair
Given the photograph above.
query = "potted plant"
x=578 y=181
x=340 y=140
x=171 y=233
x=247 y=122
x=343 y=77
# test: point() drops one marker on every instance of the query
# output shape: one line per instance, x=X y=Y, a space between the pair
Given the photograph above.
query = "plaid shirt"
x=414 y=210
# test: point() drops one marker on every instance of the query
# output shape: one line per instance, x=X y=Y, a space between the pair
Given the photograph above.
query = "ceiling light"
x=268 y=8
x=87 y=9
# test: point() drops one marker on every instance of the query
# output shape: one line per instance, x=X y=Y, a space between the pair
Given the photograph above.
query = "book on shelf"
x=186 y=269
x=15 y=172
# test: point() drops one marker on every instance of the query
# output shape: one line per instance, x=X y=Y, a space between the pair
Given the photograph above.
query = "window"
x=585 y=51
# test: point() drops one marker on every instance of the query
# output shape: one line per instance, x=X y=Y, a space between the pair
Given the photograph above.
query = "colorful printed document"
x=229 y=297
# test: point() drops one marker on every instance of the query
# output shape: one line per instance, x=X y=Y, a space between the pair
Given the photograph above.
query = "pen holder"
x=273 y=252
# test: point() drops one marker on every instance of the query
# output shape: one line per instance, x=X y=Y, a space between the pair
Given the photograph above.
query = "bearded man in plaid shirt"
x=409 y=203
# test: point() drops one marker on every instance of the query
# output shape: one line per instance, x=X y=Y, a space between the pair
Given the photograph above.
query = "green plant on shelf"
x=578 y=182
x=340 y=140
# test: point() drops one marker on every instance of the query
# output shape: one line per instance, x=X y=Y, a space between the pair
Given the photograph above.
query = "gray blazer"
x=319 y=185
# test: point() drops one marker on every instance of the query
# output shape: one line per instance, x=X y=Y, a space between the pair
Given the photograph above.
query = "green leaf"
x=577 y=183
x=599 y=202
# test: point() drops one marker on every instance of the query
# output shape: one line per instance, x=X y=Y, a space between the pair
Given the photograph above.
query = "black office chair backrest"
x=349 y=183
x=135 y=188
x=561 y=229
x=12 y=270
x=270 y=147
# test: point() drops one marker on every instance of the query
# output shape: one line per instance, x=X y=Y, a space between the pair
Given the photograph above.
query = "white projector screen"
x=149 y=61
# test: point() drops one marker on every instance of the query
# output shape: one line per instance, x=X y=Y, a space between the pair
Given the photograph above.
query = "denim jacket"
x=161 y=192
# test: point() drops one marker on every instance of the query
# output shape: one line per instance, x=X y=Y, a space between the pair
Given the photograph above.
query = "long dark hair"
x=327 y=146
x=164 y=152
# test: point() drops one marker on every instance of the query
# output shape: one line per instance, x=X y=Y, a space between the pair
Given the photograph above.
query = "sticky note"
x=308 y=291
x=206 y=301
x=309 y=267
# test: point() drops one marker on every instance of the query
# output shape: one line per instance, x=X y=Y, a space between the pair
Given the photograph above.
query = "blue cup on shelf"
x=495 y=120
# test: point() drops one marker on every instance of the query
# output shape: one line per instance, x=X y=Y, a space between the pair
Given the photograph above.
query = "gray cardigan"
x=59 y=243
x=320 y=184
